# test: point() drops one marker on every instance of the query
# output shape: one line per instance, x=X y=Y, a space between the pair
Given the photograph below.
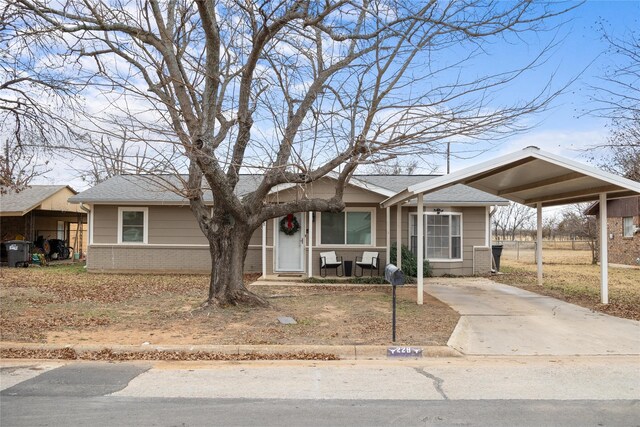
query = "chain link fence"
x=563 y=250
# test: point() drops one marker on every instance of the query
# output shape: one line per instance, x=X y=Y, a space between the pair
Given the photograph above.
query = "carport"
x=534 y=178
x=42 y=211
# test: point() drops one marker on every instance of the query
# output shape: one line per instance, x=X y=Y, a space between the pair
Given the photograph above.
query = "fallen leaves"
x=578 y=284
x=107 y=354
x=63 y=305
x=34 y=328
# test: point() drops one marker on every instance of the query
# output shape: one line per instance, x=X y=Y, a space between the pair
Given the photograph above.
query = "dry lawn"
x=66 y=305
x=570 y=276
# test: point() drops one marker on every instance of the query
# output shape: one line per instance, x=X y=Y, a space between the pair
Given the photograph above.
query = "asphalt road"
x=457 y=391
x=119 y=411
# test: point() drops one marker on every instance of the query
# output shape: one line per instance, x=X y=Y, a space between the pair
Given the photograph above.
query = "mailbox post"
x=395 y=277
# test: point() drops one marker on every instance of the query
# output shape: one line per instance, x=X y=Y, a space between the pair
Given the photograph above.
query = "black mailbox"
x=393 y=275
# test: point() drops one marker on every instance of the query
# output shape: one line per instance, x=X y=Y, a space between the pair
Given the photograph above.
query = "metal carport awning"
x=534 y=178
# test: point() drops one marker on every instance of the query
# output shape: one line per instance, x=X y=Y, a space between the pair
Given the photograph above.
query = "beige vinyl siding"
x=160 y=259
x=105 y=224
x=253 y=261
x=256 y=237
x=143 y=258
x=474 y=223
x=325 y=188
x=174 y=225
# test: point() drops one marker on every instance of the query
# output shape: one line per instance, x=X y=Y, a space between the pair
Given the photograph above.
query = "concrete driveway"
x=499 y=319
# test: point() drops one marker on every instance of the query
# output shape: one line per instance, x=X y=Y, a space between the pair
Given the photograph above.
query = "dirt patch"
x=65 y=305
x=570 y=276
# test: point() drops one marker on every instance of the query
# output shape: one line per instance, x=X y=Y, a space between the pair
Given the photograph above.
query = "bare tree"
x=105 y=156
x=294 y=89
x=624 y=147
x=19 y=165
x=37 y=97
x=578 y=225
x=617 y=97
x=550 y=227
x=509 y=220
x=396 y=167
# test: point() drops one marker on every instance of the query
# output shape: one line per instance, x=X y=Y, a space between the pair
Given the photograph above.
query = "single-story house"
x=623 y=225
x=42 y=211
x=137 y=224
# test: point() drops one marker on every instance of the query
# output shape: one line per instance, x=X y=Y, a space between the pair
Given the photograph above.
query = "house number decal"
x=404 y=352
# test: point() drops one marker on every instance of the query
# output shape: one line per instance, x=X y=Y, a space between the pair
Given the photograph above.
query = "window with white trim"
x=350 y=227
x=133 y=225
x=627 y=226
x=442 y=235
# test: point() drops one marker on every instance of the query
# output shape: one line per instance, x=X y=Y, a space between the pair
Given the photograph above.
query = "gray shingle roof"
x=394 y=183
x=163 y=190
x=455 y=194
x=28 y=198
x=136 y=189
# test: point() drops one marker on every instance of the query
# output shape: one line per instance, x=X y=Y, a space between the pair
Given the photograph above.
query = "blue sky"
x=565 y=129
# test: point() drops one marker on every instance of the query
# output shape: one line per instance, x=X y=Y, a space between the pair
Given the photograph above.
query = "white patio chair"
x=330 y=260
x=369 y=261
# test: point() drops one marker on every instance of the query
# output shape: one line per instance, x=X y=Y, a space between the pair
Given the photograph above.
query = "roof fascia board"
x=135 y=202
x=356 y=182
x=370 y=187
x=281 y=187
x=14 y=213
x=400 y=197
x=457 y=204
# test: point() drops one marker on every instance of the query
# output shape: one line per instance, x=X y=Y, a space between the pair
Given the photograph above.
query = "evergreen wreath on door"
x=289 y=225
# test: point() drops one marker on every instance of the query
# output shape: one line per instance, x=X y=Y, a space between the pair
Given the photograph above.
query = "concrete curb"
x=344 y=352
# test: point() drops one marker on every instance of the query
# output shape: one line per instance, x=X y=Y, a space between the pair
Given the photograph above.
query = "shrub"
x=367 y=280
x=410 y=262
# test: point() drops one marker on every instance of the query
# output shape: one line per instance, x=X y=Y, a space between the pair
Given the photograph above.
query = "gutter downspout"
x=89 y=212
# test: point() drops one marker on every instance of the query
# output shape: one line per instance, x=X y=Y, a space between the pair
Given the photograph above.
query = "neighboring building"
x=137 y=224
x=42 y=211
x=623 y=227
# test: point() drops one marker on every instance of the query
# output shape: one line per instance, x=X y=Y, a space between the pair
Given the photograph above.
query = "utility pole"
x=448 y=157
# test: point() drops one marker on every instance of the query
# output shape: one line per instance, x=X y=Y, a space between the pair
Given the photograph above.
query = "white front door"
x=290 y=249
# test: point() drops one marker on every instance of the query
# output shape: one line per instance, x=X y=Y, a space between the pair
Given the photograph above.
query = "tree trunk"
x=228 y=247
x=594 y=254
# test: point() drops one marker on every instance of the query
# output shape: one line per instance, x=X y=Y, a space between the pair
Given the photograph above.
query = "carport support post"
x=420 y=247
x=399 y=236
x=539 y=242
x=310 y=261
x=388 y=235
x=604 y=249
x=264 y=250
